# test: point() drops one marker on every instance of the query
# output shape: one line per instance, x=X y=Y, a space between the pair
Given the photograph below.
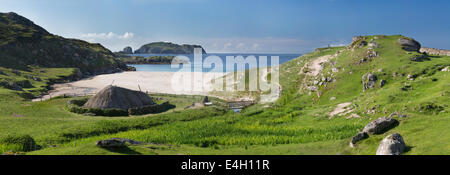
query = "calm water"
x=198 y=67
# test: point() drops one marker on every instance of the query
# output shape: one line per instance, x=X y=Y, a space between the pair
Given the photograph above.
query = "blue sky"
x=259 y=26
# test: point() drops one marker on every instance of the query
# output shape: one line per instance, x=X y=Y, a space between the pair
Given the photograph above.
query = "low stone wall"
x=151 y=109
x=75 y=106
x=433 y=51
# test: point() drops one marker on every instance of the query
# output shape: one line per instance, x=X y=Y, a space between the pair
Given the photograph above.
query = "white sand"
x=151 y=82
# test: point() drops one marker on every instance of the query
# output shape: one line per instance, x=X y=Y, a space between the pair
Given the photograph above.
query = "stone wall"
x=433 y=51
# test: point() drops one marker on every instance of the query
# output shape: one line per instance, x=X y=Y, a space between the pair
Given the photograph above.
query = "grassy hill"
x=31 y=58
x=413 y=85
x=23 y=43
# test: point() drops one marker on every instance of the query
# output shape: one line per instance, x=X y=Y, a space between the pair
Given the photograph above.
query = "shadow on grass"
x=408 y=148
x=123 y=150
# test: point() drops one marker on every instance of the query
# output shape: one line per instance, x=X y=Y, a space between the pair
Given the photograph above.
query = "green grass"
x=298 y=123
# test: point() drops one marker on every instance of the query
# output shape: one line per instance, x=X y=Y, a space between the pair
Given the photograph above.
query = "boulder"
x=373 y=44
x=393 y=144
x=368 y=81
x=380 y=125
x=360 y=136
x=382 y=83
x=409 y=44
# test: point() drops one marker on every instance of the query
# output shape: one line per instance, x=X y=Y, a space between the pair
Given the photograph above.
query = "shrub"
x=18 y=143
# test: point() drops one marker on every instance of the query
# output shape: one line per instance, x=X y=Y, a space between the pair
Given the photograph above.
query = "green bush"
x=18 y=143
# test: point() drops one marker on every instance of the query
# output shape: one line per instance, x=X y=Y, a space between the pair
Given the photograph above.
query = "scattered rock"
x=89 y=114
x=16 y=72
x=362 y=44
x=419 y=57
x=446 y=69
x=433 y=51
x=410 y=77
x=382 y=83
x=393 y=114
x=373 y=44
x=380 y=125
x=312 y=88
x=353 y=116
x=358 y=137
x=393 y=144
x=332 y=98
x=371 y=54
x=409 y=44
x=380 y=70
x=368 y=81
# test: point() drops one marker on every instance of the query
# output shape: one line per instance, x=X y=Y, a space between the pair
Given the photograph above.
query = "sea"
x=201 y=68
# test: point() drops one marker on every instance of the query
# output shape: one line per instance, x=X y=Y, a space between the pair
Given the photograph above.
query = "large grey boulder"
x=393 y=144
x=380 y=125
x=409 y=44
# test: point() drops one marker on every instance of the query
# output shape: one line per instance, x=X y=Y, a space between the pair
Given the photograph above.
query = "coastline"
x=149 y=82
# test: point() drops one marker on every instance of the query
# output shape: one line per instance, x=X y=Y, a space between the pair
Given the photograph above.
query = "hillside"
x=167 y=48
x=327 y=97
x=23 y=43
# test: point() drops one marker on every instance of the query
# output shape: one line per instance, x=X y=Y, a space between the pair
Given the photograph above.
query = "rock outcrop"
x=393 y=144
x=368 y=81
x=409 y=44
x=433 y=51
x=380 y=125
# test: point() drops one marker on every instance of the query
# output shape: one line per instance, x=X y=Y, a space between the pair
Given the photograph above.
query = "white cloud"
x=110 y=35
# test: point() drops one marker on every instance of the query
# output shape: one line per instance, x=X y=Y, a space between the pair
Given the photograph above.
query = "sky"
x=238 y=26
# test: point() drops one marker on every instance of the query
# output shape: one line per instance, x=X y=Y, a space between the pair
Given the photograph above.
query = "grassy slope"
x=23 y=43
x=298 y=123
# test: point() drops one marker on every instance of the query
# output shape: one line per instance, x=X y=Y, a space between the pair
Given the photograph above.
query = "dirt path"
x=341 y=109
x=316 y=65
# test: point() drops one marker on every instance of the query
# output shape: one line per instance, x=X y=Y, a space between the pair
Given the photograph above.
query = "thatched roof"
x=118 y=98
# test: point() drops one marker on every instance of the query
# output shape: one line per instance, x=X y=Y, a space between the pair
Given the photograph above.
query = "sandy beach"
x=151 y=82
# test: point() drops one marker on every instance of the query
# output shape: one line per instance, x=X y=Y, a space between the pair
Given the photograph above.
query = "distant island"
x=167 y=48
x=150 y=60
